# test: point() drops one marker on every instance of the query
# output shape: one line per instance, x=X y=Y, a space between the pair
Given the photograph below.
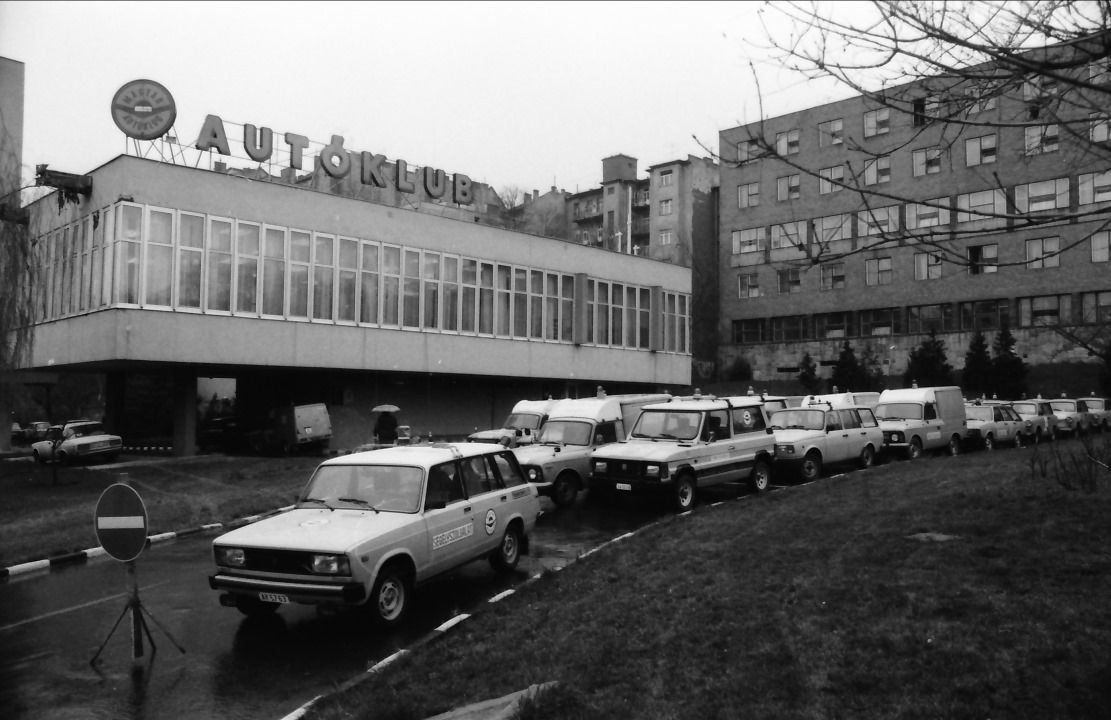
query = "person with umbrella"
x=385 y=427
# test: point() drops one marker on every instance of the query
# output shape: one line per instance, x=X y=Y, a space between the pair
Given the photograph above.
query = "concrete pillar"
x=185 y=415
x=114 y=384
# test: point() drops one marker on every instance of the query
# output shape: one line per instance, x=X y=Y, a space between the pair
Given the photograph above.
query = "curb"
x=83 y=555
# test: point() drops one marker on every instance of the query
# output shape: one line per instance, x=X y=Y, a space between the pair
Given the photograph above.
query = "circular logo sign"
x=491 y=522
x=121 y=522
x=143 y=109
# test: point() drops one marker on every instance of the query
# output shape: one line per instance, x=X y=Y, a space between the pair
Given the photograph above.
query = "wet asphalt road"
x=53 y=623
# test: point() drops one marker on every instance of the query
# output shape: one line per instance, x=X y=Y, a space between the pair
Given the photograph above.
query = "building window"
x=748 y=195
x=789 y=327
x=830 y=179
x=933 y=213
x=1045 y=310
x=190 y=260
x=833 y=325
x=788 y=280
x=748 y=331
x=927 y=266
x=830 y=133
x=877 y=170
x=1100 y=246
x=927 y=318
x=666 y=237
x=877 y=271
x=1094 y=187
x=833 y=276
x=1041 y=139
x=787 y=143
x=273 y=272
x=1043 y=253
x=748 y=150
x=983 y=259
x=789 y=235
x=1095 y=307
x=1099 y=127
x=1042 y=195
x=877 y=221
x=158 y=288
x=665 y=178
x=926 y=161
x=300 y=265
x=833 y=227
x=748 y=286
x=985 y=314
x=925 y=109
x=980 y=99
x=880 y=322
x=787 y=188
x=877 y=122
x=665 y=207
x=979 y=151
x=988 y=206
x=749 y=240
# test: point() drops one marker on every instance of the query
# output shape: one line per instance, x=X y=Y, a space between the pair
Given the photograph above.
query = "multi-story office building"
x=951 y=206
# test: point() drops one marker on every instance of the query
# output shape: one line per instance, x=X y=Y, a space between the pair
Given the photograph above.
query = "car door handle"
x=503 y=498
x=467 y=509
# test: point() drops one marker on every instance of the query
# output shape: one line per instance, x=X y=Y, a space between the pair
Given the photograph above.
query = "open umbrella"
x=385 y=408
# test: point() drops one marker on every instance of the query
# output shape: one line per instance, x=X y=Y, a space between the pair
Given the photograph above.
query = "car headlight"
x=232 y=557
x=652 y=471
x=534 y=474
x=600 y=466
x=331 y=565
x=784 y=449
x=896 y=437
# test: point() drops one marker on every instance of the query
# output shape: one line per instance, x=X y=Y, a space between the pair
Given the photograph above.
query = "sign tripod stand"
x=121 y=527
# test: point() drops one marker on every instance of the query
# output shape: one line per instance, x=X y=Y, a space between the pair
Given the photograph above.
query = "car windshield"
x=798 y=419
x=1096 y=404
x=668 y=424
x=389 y=488
x=978 y=413
x=566 y=432
x=85 y=429
x=1025 y=408
x=1063 y=405
x=522 y=421
x=898 y=411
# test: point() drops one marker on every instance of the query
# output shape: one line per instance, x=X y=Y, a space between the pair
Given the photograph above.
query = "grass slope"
x=973 y=586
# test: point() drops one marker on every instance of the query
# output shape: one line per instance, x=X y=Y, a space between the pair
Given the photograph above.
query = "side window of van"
x=747 y=419
x=717 y=425
x=930 y=412
x=607 y=432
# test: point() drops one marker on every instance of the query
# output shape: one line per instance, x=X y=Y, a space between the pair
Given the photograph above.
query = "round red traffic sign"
x=121 y=522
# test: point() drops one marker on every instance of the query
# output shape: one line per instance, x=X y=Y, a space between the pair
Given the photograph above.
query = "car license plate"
x=273 y=597
x=623 y=486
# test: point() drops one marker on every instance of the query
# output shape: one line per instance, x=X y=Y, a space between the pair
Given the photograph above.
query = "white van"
x=558 y=462
x=845 y=399
x=916 y=419
x=521 y=425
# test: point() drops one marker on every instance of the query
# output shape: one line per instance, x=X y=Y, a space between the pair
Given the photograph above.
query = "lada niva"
x=677 y=447
x=818 y=434
x=369 y=527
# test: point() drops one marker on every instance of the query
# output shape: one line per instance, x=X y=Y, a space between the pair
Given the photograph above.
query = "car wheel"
x=565 y=489
x=390 y=597
x=867 y=457
x=989 y=443
x=253 y=607
x=684 y=492
x=954 y=445
x=811 y=468
x=508 y=554
x=1018 y=440
x=1038 y=436
x=761 y=476
x=914 y=450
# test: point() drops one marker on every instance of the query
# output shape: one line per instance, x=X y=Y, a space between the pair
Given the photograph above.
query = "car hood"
x=795 y=435
x=317 y=529
x=491 y=436
x=644 y=450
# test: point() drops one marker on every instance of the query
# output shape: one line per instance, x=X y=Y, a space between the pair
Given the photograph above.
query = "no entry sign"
x=121 y=522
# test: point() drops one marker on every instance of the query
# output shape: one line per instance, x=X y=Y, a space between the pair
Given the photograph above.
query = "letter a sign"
x=121 y=522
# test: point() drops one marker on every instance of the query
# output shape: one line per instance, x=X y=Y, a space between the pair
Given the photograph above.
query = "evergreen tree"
x=977 y=378
x=873 y=380
x=1008 y=369
x=808 y=375
x=848 y=374
x=928 y=364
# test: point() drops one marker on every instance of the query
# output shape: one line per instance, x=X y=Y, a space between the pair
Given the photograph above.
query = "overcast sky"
x=524 y=94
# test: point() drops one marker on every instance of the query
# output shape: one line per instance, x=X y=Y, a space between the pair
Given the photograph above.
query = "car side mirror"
x=769 y=431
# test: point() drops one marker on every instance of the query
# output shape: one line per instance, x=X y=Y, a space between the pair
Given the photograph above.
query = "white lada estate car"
x=820 y=433
x=677 y=447
x=369 y=527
